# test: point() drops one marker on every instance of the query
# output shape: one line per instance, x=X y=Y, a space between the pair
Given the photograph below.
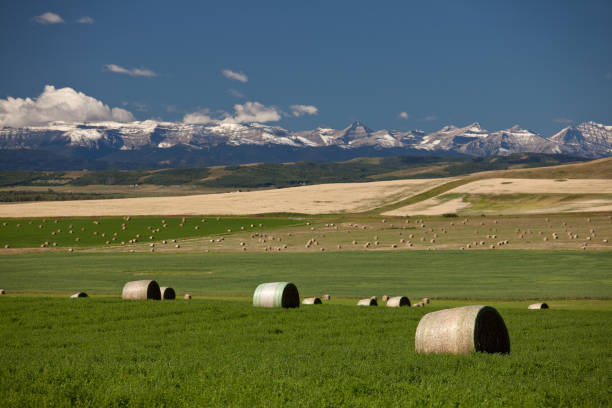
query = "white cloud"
x=65 y=104
x=132 y=72
x=403 y=115
x=85 y=20
x=299 y=110
x=237 y=76
x=236 y=93
x=48 y=18
x=253 y=112
x=200 y=117
x=248 y=112
x=562 y=120
x=429 y=118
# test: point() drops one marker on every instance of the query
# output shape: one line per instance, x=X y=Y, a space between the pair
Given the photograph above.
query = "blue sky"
x=539 y=64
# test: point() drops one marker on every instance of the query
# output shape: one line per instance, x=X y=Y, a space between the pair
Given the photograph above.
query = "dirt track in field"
x=317 y=199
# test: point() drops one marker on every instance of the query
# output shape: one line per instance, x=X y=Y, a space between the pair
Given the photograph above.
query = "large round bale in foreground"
x=367 y=302
x=462 y=330
x=78 y=295
x=312 y=301
x=398 y=301
x=276 y=294
x=167 y=293
x=538 y=306
x=141 y=290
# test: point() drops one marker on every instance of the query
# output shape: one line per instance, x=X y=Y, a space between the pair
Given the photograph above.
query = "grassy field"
x=105 y=352
x=78 y=232
x=436 y=274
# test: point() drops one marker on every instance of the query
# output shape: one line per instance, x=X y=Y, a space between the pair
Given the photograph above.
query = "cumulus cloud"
x=245 y=113
x=299 y=110
x=65 y=104
x=253 y=112
x=85 y=20
x=403 y=115
x=236 y=76
x=48 y=18
x=132 y=72
x=564 y=121
x=199 y=117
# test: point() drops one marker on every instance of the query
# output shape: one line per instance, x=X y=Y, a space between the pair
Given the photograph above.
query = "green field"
x=83 y=232
x=107 y=352
x=438 y=274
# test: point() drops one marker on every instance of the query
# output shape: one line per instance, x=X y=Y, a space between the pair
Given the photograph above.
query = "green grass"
x=108 y=352
x=28 y=234
x=510 y=274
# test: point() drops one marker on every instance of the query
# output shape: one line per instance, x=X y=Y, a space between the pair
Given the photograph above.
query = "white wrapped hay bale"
x=187 y=296
x=141 y=290
x=462 y=330
x=312 y=301
x=537 y=306
x=398 y=301
x=167 y=293
x=367 y=302
x=276 y=294
x=79 y=295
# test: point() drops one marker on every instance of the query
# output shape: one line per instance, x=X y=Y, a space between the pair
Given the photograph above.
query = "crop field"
x=102 y=351
x=81 y=232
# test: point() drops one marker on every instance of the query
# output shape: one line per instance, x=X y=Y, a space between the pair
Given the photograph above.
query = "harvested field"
x=517 y=196
x=317 y=199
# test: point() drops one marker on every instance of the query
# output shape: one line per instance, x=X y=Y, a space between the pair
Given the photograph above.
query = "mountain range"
x=59 y=145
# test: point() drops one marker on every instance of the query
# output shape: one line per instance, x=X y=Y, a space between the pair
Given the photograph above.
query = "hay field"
x=108 y=352
x=578 y=195
x=316 y=199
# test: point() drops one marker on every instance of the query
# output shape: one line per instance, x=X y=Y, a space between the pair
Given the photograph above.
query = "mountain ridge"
x=222 y=143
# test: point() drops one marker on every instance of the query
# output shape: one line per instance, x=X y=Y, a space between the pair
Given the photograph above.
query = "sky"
x=302 y=64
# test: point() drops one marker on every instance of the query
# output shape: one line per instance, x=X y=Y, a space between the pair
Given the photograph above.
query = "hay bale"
x=276 y=294
x=78 y=295
x=385 y=298
x=141 y=290
x=167 y=293
x=2 y=292
x=398 y=301
x=367 y=302
x=326 y=297
x=536 y=306
x=312 y=301
x=426 y=300
x=187 y=296
x=418 y=304
x=462 y=330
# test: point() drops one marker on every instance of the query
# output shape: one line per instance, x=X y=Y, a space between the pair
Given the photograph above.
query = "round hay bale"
x=538 y=306
x=312 y=301
x=398 y=301
x=385 y=298
x=326 y=297
x=462 y=330
x=374 y=297
x=141 y=290
x=276 y=294
x=78 y=295
x=167 y=293
x=426 y=300
x=2 y=292
x=367 y=302
x=187 y=296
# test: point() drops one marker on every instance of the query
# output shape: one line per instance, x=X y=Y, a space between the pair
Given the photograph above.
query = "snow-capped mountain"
x=588 y=139
x=85 y=139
